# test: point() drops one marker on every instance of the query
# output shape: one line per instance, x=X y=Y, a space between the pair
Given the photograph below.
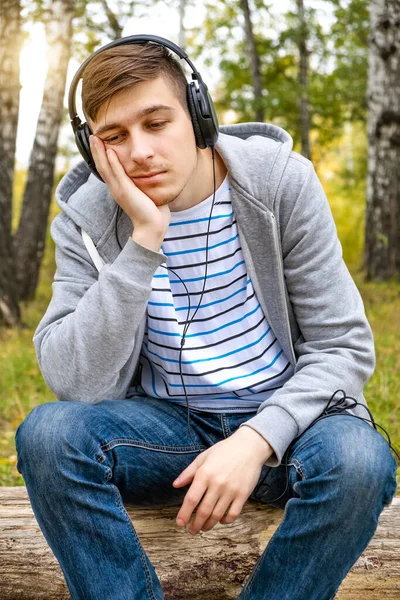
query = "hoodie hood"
x=247 y=149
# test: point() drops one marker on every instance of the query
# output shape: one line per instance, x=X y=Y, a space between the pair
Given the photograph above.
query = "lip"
x=150 y=178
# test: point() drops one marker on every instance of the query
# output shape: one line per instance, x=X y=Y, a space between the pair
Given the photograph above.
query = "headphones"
x=200 y=105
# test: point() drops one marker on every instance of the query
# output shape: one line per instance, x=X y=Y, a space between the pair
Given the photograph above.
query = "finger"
x=204 y=511
x=187 y=474
x=122 y=184
x=234 y=511
x=116 y=167
x=101 y=160
x=191 y=500
x=218 y=512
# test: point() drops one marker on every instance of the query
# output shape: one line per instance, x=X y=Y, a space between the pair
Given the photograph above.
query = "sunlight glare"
x=33 y=65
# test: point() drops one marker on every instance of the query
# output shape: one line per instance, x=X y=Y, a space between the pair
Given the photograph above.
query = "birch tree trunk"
x=10 y=47
x=382 y=235
x=182 y=33
x=254 y=60
x=304 y=103
x=29 y=241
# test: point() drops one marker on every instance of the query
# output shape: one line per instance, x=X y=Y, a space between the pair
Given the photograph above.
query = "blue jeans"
x=82 y=462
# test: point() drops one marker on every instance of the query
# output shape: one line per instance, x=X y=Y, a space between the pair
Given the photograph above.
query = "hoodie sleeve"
x=86 y=342
x=335 y=350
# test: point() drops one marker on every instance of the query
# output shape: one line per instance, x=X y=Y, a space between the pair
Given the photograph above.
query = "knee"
x=46 y=432
x=360 y=462
x=369 y=464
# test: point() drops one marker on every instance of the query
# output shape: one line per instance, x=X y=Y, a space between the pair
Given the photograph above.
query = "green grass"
x=22 y=386
x=382 y=302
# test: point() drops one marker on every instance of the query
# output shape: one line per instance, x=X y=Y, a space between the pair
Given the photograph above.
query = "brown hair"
x=120 y=68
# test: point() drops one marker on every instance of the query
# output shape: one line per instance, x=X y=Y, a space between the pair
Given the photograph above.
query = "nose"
x=141 y=147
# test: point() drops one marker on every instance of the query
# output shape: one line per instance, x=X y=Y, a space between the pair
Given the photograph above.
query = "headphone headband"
x=200 y=105
x=131 y=39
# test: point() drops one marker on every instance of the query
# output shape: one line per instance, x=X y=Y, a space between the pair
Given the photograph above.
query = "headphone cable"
x=201 y=297
x=187 y=320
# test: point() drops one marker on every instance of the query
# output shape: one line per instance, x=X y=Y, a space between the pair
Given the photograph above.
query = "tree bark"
x=254 y=60
x=10 y=47
x=382 y=234
x=29 y=241
x=211 y=565
x=304 y=103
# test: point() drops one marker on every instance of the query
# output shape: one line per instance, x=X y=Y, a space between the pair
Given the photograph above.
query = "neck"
x=201 y=185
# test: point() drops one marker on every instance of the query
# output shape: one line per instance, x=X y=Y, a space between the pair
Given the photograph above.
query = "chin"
x=162 y=197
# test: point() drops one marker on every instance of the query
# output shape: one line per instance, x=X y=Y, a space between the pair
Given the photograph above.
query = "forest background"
x=302 y=65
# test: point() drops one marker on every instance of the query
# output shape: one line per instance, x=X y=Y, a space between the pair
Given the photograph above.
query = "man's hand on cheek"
x=113 y=173
x=148 y=219
x=223 y=477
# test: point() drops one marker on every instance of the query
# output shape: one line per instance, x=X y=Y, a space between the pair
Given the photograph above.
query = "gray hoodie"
x=90 y=337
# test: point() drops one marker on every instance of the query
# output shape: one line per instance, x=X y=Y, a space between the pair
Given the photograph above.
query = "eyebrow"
x=142 y=113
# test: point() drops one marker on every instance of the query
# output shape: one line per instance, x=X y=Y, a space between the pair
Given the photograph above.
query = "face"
x=153 y=137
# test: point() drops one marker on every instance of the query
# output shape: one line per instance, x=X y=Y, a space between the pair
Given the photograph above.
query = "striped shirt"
x=230 y=361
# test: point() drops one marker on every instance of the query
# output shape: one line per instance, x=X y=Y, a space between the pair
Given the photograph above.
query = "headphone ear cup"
x=200 y=142
x=82 y=141
x=201 y=107
x=82 y=135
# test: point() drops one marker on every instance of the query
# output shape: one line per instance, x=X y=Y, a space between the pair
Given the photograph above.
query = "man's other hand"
x=223 y=477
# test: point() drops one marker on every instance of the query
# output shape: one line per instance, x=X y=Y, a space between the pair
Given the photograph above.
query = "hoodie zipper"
x=281 y=287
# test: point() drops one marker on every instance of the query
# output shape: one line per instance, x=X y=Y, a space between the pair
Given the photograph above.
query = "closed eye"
x=157 y=124
x=114 y=139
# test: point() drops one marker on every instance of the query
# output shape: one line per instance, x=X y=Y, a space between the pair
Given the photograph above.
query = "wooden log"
x=212 y=565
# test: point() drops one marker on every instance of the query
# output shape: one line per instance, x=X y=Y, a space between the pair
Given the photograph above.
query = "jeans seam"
x=141 y=551
x=148 y=446
x=299 y=468
x=225 y=425
x=100 y=458
x=254 y=572
x=256 y=568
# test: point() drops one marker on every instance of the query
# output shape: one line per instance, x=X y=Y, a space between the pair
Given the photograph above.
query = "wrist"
x=261 y=447
x=148 y=237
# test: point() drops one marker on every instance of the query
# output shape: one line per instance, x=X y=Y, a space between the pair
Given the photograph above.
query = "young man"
x=238 y=308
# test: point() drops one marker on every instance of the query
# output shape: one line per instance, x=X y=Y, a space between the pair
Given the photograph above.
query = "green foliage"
x=35 y=12
x=349 y=35
x=337 y=59
x=18 y=190
x=343 y=173
x=94 y=28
